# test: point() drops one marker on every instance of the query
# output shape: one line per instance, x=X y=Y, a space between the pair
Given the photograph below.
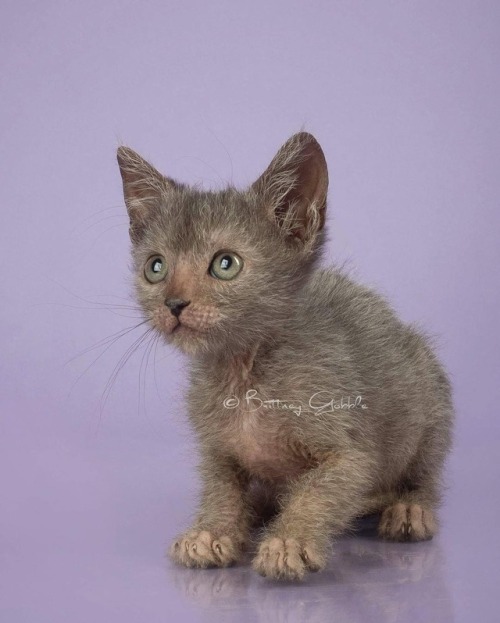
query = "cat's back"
x=346 y=322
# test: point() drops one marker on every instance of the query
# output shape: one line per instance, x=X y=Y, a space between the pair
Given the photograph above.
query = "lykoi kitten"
x=311 y=402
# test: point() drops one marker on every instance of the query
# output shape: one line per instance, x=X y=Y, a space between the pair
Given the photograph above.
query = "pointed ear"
x=143 y=187
x=294 y=187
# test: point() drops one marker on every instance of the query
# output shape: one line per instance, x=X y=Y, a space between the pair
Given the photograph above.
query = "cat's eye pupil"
x=155 y=269
x=226 y=266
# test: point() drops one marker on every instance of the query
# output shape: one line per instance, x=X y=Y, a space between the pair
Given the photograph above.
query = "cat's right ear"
x=143 y=188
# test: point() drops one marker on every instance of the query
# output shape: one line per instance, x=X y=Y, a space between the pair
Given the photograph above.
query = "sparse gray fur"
x=286 y=329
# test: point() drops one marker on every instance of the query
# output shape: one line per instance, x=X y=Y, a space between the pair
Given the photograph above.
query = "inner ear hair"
x=294 y=187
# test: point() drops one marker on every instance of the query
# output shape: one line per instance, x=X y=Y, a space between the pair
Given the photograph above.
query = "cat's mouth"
x=193 y=324
x=182 y=326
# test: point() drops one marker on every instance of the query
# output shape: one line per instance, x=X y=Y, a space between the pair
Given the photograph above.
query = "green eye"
x=226 y=265
x=155 y=269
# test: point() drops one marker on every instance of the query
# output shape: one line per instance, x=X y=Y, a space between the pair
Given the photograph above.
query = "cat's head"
x=220 y=270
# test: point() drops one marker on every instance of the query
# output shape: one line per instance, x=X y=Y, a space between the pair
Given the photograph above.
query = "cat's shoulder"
x=333 y=284
x=332 y=293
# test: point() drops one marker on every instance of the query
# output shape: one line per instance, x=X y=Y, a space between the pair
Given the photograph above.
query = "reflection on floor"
x=367 y=580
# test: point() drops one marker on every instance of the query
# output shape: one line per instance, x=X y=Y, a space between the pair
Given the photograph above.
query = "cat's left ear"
x=143 y=189
x=294 y=187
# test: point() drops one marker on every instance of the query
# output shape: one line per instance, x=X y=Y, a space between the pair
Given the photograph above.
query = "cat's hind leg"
x=407 y=521
x=409 y=512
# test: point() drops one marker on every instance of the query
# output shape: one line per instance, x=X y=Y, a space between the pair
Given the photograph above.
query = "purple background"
x=404 y=98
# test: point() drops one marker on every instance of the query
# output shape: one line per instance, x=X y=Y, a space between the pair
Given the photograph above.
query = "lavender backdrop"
x=404 y=97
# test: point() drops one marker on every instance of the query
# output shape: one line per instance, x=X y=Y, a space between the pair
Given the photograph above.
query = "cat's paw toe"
x=287 y=559
x=201 y=548
x=407 y=522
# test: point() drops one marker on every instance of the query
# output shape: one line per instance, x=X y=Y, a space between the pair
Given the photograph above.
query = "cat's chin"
x=188 y=340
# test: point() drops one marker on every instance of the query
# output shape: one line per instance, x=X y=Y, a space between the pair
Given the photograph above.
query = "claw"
x=407 y=522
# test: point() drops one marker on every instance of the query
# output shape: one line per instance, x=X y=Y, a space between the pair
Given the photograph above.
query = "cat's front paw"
x=287 y=558
x=201 y=548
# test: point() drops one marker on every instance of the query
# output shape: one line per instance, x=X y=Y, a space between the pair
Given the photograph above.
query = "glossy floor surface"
x=86 y=543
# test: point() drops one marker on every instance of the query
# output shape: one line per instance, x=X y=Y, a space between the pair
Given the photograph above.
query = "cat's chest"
x=248 y=424
x=263 y=443
x=261 y=432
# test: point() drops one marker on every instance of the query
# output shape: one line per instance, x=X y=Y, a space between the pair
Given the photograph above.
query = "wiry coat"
x=312 y=403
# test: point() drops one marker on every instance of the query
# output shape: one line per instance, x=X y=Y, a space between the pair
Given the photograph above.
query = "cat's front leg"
x=318 y=505
x=220 y=531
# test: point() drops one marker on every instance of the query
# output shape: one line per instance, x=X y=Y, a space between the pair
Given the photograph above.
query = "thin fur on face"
x=269 y=226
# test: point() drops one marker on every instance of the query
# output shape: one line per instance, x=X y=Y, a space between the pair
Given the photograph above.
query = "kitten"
x=311 y=402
